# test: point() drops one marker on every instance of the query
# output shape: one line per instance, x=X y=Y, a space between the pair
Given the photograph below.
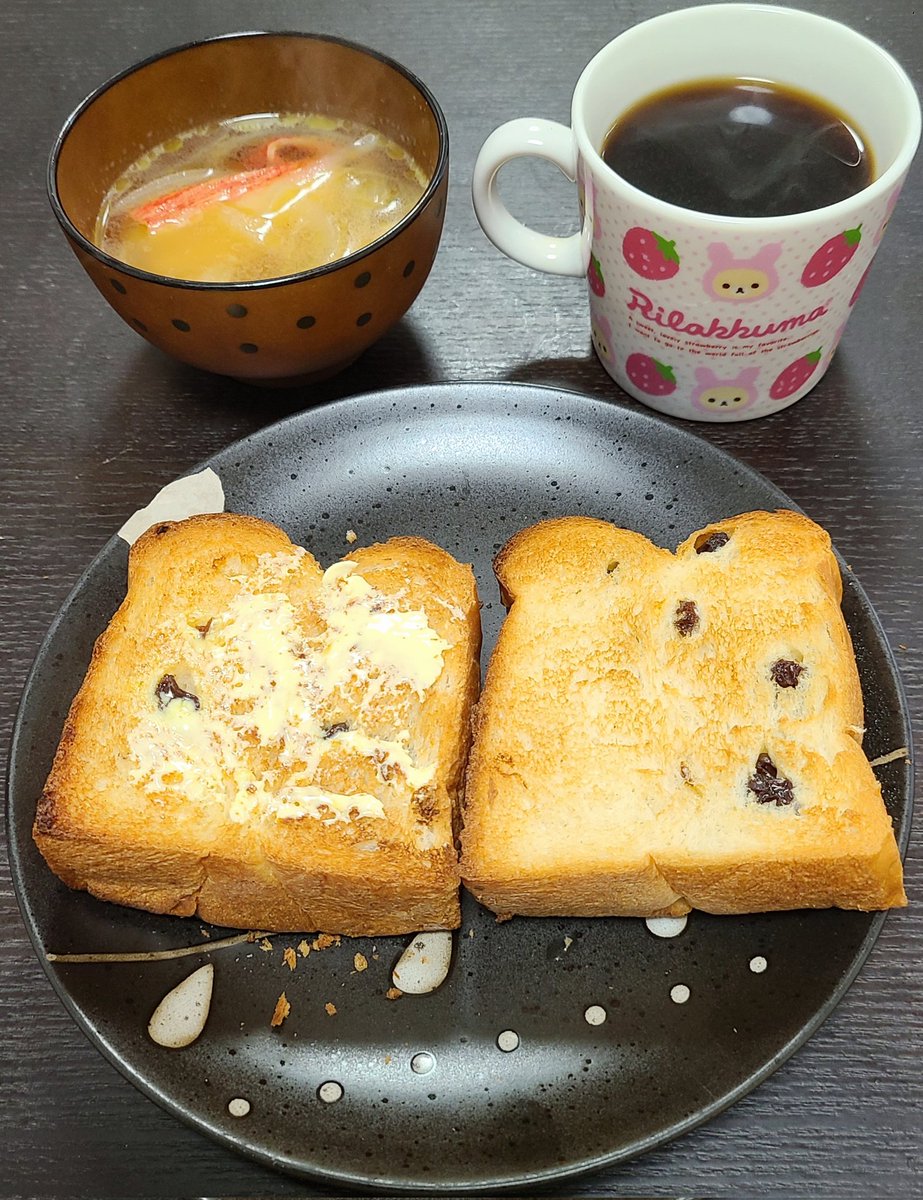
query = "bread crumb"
x=471 y=932
x=387 y=1060
x=360 y=962
x=204 y=932
x=303 y=948
x=281 y=1011
x=330 y=1009
x=394 y=993
x=324 y=941
x=351 y=536
x=568 y=942
x=266 y=945
x=290 y=960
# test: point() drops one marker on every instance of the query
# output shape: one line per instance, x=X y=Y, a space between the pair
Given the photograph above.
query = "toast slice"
x=663 y=732
x=267 y=744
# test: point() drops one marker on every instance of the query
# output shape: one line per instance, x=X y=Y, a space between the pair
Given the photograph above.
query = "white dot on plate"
x=508 y=1040
x=679 y=993
x=330 y=1092
x=758 y=965
x=422 y=1063
x=595 y=1015
x=666 y=927
x=238 y=1107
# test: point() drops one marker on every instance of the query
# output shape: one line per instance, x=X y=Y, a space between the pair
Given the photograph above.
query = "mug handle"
x=524 y=137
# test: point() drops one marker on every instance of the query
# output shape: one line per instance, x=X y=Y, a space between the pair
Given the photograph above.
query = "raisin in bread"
x=662 y=732
x=267 y=744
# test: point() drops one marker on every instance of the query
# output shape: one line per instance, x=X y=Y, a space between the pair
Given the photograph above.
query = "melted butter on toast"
x=253 y=736
x=399 y=642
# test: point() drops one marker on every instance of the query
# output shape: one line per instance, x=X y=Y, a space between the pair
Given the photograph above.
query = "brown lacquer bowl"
x=287 y=330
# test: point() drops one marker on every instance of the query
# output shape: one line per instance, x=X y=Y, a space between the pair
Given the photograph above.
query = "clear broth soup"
x=258 y=197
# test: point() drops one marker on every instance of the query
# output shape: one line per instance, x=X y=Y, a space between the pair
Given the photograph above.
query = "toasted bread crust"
x=175 y=851
x=618 y=732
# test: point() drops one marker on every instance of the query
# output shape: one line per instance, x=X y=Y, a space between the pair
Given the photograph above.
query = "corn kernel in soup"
x=257 y=197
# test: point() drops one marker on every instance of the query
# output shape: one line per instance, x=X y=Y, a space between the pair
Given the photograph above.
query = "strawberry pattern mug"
x=700 y=316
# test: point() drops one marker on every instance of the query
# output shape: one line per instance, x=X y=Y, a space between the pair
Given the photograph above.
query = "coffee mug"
x=707 y=317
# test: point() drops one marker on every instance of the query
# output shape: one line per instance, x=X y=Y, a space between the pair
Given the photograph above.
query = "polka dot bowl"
x=289 y=330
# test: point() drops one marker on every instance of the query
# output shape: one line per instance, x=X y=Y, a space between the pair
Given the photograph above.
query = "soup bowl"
x=299 y=327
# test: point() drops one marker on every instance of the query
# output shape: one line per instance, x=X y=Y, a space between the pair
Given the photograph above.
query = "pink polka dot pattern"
x=744 y=321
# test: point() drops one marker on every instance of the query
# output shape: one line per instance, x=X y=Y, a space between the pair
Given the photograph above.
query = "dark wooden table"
x=94 y=421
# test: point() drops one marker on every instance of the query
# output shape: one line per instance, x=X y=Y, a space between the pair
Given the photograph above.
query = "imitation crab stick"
x=185 y=201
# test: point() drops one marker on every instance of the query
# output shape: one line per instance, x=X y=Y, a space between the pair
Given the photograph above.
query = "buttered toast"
x=267 y=744
x=663 y=732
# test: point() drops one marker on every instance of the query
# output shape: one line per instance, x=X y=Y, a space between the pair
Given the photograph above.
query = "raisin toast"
x=662 y=732
x=267 y=744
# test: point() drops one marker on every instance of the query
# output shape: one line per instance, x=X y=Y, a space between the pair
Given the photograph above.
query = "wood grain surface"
x=93 y=421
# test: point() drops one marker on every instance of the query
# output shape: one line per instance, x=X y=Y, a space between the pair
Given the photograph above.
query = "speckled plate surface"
x=466 y=465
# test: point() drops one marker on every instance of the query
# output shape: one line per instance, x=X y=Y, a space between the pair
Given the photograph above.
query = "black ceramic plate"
x=465 y=465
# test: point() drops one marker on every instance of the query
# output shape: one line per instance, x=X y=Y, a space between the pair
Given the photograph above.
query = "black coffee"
x=739 y=148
